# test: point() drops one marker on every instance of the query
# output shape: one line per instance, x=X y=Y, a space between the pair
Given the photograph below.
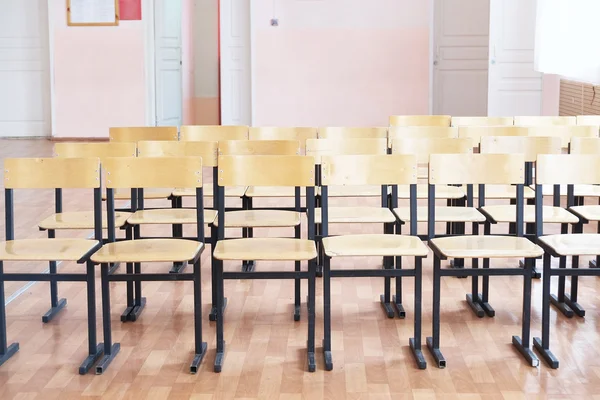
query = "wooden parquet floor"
x=265 y=356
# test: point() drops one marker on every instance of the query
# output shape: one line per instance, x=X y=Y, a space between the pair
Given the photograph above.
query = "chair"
x=209 y=133
x=565 y=132
x=544 y=121
x=588 y=120
x=51 y=173
x=420 y=132
x=478 y=132
x=343 y=133
x=382 y=170
x=420 y=120
x=480 y=169
x=567 y=170
x=75 y=220
x=141 y=173
x=291 y=171
x=482 y=121
x=301 y=134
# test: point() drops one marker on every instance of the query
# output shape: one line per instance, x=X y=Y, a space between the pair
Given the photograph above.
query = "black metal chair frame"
x=95 y=349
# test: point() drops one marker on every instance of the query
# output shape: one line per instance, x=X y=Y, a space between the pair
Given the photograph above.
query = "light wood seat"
x=170 y=216
x=148 y=250
x=507 y=213
x=578 y=190
x=442 y=214
x=46 y=249
x=267 y=249
x=420 y=120
x=260 y=219
x=590 y=213
x=487 y=246
x=273 y=191
x=158 y=194
x=357 y=215
x=441 y=192
x=233 y=191
x=502 y=192
x=374 y=245
x=578 y=244
x=80 y=220
x=353 y=191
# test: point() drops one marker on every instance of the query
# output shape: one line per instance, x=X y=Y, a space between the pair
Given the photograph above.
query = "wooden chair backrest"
x=477 y=132
x=329 y=147
x=267 y=171
x=206 y=150
x=422 y=148
x=343 y=133
x=565 y=132
x=475 y=169
x=483 y=121
x=421 y=132
x=100 y=150
x=300 y=134
x=52 y=173
x=529 y=146
x=420 y=120
x=136 y=134
x=347 y=170
x=544 y=121
x=259 y=147
x=567 y=169
x=588 y=120
x=584 y=145
x=210 y=133
x=153 y=172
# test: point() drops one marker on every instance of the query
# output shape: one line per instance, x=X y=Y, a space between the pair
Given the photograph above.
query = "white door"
x=168 y=68
x=515 y=87
x=24 y=69
x=235 y=63
x=460 y=69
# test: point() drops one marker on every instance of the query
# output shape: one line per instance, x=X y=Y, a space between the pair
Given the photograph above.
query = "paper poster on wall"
x=130 y=10
x=92 y=12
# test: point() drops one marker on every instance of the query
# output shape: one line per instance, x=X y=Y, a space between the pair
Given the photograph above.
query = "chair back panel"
x=477 y=132
x=544 y=120
x=530 y=146
x=420 y=120
x=153 y=172
x=423 y=147
x=567 y=169
x=329 y=147
x=421 y=132
x=211 y=133
x=585 y=145
x=369 y=170
x=259 y=147
x=261 y=170
x=137 y=134
x=483 y=121
x=206 y=150
x=588 y=120
x=100 y=150
x=502 y=169
x=564 y=132
x=300 y=134
x=52 y=173
x=343 y=133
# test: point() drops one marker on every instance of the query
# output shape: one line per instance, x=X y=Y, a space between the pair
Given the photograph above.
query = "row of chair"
x=448 y=120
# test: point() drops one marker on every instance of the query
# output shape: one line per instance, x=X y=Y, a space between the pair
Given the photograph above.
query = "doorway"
x=168 y=62
x=460 y=59
x=25 y=105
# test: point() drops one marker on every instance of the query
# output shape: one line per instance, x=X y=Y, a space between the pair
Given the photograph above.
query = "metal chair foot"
x=387 y=307
x=198 y=359
x=399 y=307
x=561 y=306
x=107 y=359
x=328 y=360
x=525 y=351
x=212 y=316
x=91 y=359
x=53 y=311
x=546 y=354
x=10 y=351
x=436 y=353
x=418 y=354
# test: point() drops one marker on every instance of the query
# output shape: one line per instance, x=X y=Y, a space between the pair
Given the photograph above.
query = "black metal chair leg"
x=571 y=300
x=220 y=354
x=415 y=342
x=433 y=342
x=56 y=305
x=95 y=349
x=473 y=298
x=327 y=314
x=110 y=349
x=6 y=351
x=199 y=345
x=543 y=345
x=522 y=343
x=312 y=365
x=558 y=300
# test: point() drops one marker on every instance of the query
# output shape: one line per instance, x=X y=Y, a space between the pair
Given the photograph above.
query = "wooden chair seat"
x=260 y=219
x=591 y=213
x=80 y=220
x=352 y=191
x=267 y=249
x=123 y=194
x=357 y=215
x=442 y=214
x=503 y=192
x=441 y=192
x=487 y=246
x=579 y=190
x=507 y=213
x=46 y=249
x=577 y=244
x=374 y=245
x=273 y=191
x=170 y=216
x=230 y=191
x=148 y=250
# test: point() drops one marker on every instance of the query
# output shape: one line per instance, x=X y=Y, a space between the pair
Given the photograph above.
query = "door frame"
x=149 y=22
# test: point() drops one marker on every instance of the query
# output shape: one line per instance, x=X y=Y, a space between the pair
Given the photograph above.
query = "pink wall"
x=550 y=94
x=98 y=74
x=340 y=62
x=187 y=38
